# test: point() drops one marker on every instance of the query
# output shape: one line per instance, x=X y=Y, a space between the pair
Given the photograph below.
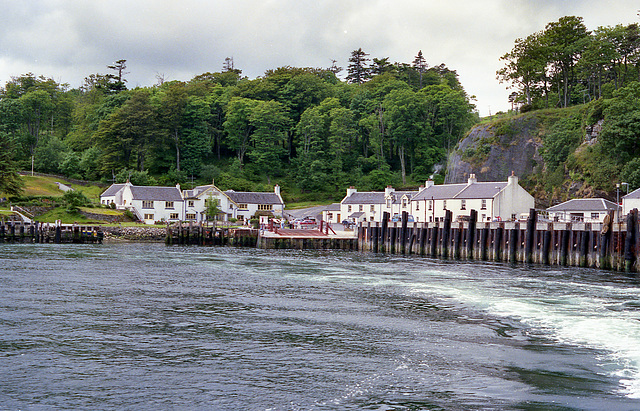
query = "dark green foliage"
x=563 y=138
x=302 y=128
x=74 y=200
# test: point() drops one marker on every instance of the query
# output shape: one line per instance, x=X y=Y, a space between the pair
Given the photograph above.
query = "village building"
x=332 y=213
x=149 y=204
x=197 y=200
x=588 y=210
x=361 y=206
x=494 y=201
x=631 y=201
x=154 y=204
x=251 y=204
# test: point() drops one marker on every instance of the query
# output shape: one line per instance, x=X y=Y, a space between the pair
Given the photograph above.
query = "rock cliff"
x=492 y=151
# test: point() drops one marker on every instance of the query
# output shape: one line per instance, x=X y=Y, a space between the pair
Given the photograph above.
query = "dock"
x=608 y=245
x=35 y=232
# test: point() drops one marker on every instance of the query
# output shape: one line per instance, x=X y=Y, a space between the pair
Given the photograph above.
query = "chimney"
x=472 y=179
x=276 y=189
x=420 y=189
x=428 y=183
x=351 y=190
x=178 y=186
x=512 y=179
x=388 y=191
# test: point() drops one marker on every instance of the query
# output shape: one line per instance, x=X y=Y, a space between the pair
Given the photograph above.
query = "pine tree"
x=420 y=64
x=10 y=182
x=358 y=70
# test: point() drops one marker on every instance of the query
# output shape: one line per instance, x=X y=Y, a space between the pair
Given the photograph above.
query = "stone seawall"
x=151 y=233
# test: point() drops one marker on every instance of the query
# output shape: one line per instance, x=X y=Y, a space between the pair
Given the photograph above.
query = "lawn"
x=46 y=186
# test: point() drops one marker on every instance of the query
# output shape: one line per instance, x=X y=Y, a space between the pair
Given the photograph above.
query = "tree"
x=358 y=71
x=10 y=181
x=525 y=65
x=269 y=120
x=117 y=80
x=420 y=64
x=238 y=126
x=567 y=39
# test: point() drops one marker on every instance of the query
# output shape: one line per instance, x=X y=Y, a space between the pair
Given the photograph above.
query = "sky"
x=68 y=40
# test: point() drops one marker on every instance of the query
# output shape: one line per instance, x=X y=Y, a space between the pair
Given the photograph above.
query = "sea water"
x=145 y=326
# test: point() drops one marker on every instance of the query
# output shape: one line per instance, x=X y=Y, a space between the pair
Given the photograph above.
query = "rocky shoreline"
x=152 y=234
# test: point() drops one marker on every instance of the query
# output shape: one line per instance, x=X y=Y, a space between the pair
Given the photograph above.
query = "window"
x=463 y=204
x=147 y=204
x=444 y=204
x=265 y=207
x=595 y=216
x=417 y=205
x=148 y=216
x=173 y=216
x=430 y=205
x=360 y=207
x=190 y=216
x=513 y=217
x=242 y=207
x=388 y=203
x=483 y=205
x=484 y=217
x=404 y=203
x=168 y=204
x=330 y=216
x=191 y=203
x=349 y=209
x=372 y=208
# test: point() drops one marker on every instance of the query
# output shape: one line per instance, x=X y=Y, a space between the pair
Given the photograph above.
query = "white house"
x=492 y=200
x=250 y=203
x=362 y=206
x=196 y=203
x=588 y=210
x=370 y=205
x=149 y=203
x=631 y=201
x=332 y=213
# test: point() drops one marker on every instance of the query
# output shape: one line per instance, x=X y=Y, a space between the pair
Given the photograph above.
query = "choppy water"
x=143 y=326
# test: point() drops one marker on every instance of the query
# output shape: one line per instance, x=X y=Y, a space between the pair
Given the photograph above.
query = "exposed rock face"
x=493 y=151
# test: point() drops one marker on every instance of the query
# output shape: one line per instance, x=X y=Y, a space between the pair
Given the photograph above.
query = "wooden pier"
x=306 y=239
x=18 y=232
x=607 y=245
x=199 y=234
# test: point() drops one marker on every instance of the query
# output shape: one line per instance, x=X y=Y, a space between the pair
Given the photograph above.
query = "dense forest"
x=316 y=131
x=303 y=128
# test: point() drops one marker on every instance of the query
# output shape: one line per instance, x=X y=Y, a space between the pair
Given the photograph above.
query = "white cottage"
x=588 y=210
x=492 y=200
x=149 y=203
x=631 y=201
x=196 y=201
x=250 y=203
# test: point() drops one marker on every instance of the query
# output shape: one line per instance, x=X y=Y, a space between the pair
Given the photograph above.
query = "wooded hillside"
x=302 y=128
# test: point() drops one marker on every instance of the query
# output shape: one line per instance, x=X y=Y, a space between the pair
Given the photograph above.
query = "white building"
x=196 y=202
x=631 y=201
x=152 y=204
x=588 y=210
x=332 y=213
x=255 y=203
x=492 y=200
x=149 y=203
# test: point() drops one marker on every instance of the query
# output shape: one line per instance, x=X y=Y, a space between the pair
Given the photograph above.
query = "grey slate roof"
x=481 y=190
x=196 y=191
x=397 y=195
x=634 y=195
x=253 y=198
x=332 y=207
x=357 y=214
x=365 y=197
x=112 y=190
x=439 y=192
x=584 y=204
x=156 y=193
